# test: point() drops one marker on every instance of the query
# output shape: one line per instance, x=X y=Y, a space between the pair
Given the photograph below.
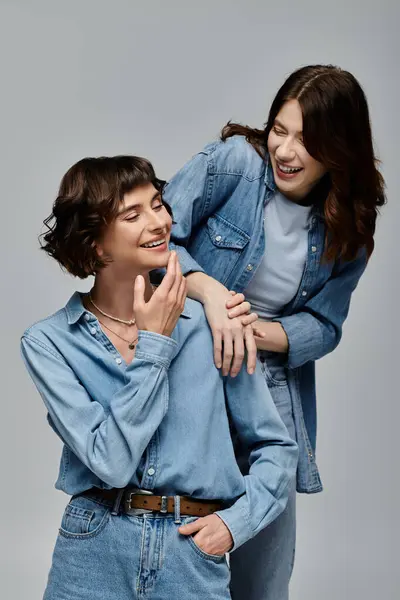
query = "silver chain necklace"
x=130 y=322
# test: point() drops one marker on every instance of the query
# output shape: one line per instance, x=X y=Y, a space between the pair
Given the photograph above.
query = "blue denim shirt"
x=160 y=423
x=218 y=201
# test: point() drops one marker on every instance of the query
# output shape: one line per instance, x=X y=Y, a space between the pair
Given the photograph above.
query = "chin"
x=160 y=262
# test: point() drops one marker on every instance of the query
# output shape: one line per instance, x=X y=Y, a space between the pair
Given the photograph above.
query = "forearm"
x=275 y=339
x=202 y=287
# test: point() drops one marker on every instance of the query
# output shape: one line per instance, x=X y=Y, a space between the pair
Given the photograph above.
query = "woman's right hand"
x=161 y=313
x=231 y=337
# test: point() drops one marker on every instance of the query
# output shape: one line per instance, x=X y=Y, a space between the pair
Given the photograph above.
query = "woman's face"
x=295 y=171
x=137 y=240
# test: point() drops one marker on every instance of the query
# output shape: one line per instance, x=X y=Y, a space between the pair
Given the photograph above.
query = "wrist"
x=203 y=288
x=275 y=339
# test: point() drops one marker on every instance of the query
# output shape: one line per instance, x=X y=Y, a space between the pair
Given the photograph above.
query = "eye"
x=132 y=218
x=158 y=206
x=278 y=131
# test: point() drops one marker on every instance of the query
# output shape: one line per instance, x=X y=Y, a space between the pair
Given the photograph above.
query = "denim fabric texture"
x=101 y=556
x=261 y=568
x=163 y=422
x=218 y=201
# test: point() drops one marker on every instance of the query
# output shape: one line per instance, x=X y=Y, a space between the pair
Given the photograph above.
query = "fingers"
x=238 y=355
x=228 y=352
x=248 y=319
x=238 y=311
x=182 y=293
x=138 y=298
x=251 y=348
x=236 y=300
x=169 y=279
x=192 y=528
x=177 y=281
x=217 y=348
x=258 y=332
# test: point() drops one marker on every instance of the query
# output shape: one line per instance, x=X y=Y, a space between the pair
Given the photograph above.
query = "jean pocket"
x=83 y=518
x=213 y=557
x=274 y=370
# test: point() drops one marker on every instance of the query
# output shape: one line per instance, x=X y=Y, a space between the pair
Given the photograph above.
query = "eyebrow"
x=136 y=206
x=281 y=125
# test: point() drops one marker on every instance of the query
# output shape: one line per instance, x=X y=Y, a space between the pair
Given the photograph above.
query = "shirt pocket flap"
x=225 y=235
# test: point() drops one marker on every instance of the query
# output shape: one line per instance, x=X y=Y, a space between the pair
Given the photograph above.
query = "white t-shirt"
x=278 y=276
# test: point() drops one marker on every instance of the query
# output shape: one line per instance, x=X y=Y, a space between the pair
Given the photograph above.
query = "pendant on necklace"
x=131 y=345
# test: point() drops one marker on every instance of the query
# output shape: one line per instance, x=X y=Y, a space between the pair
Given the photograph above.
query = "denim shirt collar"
x=75 y=309
x=269 y=176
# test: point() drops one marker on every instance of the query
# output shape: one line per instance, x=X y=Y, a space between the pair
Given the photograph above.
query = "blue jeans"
x=261 y=568
x=102 y=556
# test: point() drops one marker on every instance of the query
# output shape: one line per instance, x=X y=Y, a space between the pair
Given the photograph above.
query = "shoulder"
x=46 y=333
x=234 y=156
x=193 y=319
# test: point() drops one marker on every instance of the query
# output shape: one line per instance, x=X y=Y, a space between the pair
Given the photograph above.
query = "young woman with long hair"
x=285 y=217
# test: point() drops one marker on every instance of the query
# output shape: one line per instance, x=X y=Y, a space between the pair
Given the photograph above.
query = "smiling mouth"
x=288 y=170
x=154 y=244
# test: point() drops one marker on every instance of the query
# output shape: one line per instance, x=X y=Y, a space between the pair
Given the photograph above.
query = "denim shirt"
x=160 y=423
x=218 y=201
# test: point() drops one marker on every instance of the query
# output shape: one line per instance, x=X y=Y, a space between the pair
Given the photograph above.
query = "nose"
x=158 y=221
x=286 y=151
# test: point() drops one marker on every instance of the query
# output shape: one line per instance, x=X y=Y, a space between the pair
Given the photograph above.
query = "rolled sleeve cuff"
x=300 y=349
x=188 y=264
x=238 y=523
x=155 y=348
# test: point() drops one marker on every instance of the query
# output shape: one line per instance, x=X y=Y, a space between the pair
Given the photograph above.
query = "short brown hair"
x=337 y=133
x=88 y=200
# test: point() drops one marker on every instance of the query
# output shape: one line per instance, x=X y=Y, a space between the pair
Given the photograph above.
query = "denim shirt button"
x=93 y=331
x=218 y=238
x=304 y=293
x=118 y=361
x=313 y=248
x=87 y=317
x=151 y=471
x=249 y=267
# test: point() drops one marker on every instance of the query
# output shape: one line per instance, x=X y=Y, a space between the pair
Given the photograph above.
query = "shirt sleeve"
x=110 y=442
x=191 y=195
x=272 y=456
x=316 y=330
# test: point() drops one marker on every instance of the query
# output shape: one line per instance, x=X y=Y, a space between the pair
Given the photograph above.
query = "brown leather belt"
x=131 y=499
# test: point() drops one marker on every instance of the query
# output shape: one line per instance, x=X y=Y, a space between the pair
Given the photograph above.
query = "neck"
x=115 y=295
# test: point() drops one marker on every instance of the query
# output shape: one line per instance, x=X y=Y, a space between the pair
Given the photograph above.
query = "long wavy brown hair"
x=337 y=133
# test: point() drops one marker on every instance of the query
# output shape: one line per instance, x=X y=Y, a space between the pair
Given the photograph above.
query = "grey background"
x=159 y=79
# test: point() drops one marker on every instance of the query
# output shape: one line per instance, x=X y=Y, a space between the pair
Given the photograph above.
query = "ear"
x=98 y=249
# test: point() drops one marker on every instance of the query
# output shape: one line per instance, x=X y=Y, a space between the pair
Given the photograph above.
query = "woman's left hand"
x=212 y=535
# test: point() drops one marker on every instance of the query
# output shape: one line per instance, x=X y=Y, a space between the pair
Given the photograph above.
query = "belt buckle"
x=137 y=492
x=164 y=504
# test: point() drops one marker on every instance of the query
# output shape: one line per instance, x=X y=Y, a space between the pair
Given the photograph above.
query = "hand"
x=213 y=536
x=240 y=308
x=161 y=313
x=230 y=336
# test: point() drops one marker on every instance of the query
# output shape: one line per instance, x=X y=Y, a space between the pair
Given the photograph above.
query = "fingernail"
x=251 y=371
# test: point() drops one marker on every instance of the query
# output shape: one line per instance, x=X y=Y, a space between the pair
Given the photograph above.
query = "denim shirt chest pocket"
x=219 y=245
